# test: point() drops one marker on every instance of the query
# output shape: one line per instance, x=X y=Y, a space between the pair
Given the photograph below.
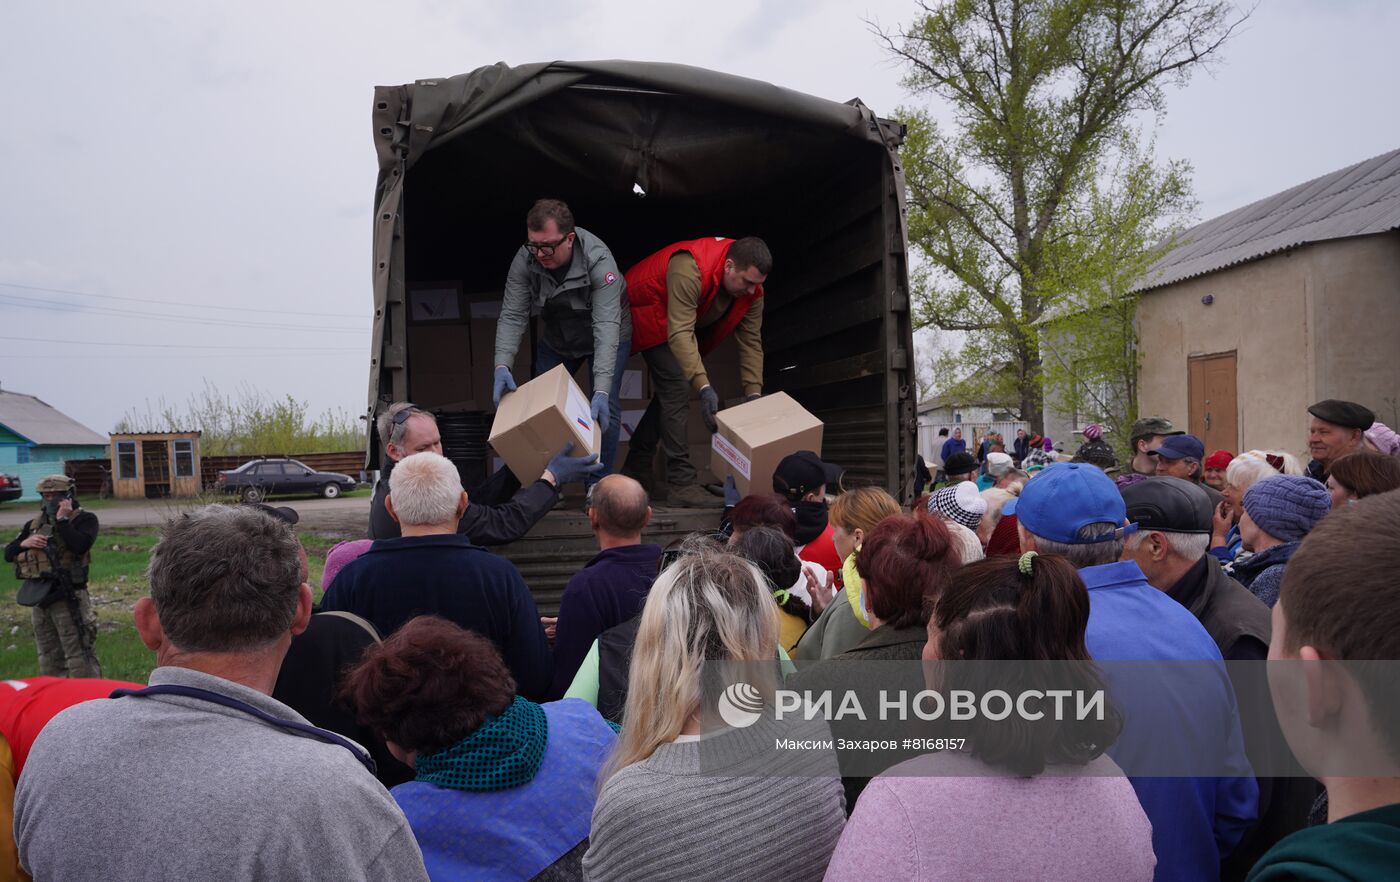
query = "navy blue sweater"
x=448 y=576
x=610 y=589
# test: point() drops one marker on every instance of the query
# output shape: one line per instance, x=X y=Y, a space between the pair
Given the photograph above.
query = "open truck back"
x=645 y=154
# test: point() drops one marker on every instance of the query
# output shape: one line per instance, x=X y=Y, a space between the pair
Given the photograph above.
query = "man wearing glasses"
x=568 y=276
x=496 y=514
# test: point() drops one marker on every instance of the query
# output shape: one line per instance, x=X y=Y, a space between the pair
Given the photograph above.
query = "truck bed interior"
x=836 y=322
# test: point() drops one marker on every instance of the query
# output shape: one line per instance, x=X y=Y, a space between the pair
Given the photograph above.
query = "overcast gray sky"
x=218 y=157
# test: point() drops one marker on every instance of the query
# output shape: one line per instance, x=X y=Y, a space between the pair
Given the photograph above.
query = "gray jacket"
x=170 y=787
x=585 y=316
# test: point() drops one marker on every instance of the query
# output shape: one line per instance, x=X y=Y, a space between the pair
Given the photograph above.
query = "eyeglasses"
x=402 y=416
x=546 y=249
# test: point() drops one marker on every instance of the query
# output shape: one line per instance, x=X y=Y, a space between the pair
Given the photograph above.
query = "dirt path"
x=349 y=517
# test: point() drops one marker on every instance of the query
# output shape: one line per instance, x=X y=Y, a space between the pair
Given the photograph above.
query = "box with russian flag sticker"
x=754 y=437
x=535 y=421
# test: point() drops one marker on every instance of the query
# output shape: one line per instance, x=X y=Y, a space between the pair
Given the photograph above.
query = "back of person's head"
x=1366 y=473
x=425 y=489
x=775 y=556
x=1287 y=507
x=1032 y=610
x=1338 y=597
x=751 y=251
x=341 y=554
x=428 y=686
x=546 y=210
x=862 y=508
x=620 y=506
x=764 y=510
x=225 y=579
x=706 y=606
x=1338 y=592
x=904 y=563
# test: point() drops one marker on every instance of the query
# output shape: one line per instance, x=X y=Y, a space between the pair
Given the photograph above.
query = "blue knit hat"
x=1287 y=507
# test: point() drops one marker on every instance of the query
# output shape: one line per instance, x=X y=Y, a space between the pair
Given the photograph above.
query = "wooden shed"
x=154 y=465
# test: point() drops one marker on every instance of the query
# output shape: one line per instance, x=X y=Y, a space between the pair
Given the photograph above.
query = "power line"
x=31 y=303
x=174 y=303
x=186 y=345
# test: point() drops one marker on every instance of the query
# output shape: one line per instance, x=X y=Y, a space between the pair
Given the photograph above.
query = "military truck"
x=645 y=154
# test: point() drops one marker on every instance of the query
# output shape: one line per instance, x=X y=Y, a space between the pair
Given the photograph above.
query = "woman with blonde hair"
x=1243 y=472
x=839 y=628
x=662 y=812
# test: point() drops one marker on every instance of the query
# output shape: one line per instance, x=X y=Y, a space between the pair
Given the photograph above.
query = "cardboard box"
x=754 y=437
x=539 y=418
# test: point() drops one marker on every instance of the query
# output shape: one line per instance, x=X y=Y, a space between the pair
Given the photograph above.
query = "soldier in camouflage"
x=52 y=553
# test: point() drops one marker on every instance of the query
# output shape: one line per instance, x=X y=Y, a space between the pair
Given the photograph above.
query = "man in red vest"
x=685 y=299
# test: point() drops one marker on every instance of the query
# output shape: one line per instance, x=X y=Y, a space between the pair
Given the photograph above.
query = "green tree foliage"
x=1045 y=95
x=1089 y=342
x=250 y=422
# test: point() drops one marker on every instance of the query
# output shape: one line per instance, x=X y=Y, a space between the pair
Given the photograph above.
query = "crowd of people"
x=424 y=721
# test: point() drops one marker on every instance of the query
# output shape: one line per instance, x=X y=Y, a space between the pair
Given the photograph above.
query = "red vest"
x=646 y=290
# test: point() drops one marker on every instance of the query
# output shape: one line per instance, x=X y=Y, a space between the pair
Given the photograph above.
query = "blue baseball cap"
x=1066 y=497
x=1181 y=447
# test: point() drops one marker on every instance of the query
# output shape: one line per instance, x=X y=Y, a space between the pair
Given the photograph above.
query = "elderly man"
x=434 y=570
x=202 y=775
x=611 y=588
x=1183 y=456
x=494 y=518
x=1338 y=428
x=1075 y=510
x=568 y=277
x=1146 y=434
x=51 y=555
x=1174 y=523
x=686 y=299
x=1172 y=546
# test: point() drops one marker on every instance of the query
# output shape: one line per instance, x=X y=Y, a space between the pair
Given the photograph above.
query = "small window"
x=21 y=455
x=126 y=460
x=184 y=459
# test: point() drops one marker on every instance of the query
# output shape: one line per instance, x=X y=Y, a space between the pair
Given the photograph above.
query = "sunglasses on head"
x=402 y=416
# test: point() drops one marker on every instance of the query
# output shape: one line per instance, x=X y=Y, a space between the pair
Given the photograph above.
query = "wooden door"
x=1214 y=416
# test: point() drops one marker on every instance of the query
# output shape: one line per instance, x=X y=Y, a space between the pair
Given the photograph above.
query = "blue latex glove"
x=731 y=492
x=709 y=406
x=600 y=410
x=504 y=383
x=567 y=469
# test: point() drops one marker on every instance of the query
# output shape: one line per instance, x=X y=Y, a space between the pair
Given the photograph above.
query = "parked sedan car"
x=10 y=488
x=253 y=481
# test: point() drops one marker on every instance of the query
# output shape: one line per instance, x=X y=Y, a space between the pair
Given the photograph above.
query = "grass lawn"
x=116 y=579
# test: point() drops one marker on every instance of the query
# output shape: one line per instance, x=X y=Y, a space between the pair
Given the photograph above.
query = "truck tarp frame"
x=411 y=119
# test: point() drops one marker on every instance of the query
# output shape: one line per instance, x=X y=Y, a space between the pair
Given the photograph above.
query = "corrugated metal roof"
x=34 y=419
x=1359 y=200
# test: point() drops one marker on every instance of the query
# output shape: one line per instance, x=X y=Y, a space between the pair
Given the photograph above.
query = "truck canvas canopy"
x=647 y=154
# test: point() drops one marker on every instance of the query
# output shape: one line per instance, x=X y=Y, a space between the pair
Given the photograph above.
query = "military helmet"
x=55 y=484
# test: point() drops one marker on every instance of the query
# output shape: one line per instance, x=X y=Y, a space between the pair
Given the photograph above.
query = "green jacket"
x=585 y=316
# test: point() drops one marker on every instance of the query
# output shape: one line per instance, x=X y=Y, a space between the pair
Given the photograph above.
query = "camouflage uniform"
x=65 y=630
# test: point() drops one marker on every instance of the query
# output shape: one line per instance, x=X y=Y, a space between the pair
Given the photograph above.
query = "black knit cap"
x=1347 y=414
x=960 y=464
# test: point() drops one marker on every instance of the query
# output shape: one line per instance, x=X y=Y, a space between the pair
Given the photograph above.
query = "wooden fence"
x=346 y=463
x=94 y=475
